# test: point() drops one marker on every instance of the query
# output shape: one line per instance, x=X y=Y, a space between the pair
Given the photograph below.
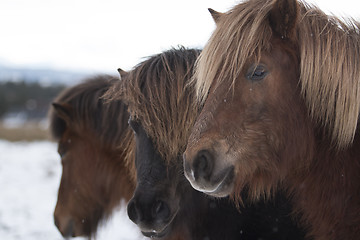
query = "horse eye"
x=62 y=149
x=257 y=73
x=61 y=152
x=133 y=124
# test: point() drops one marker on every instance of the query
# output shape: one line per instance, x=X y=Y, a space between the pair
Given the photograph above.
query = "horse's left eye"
x=257 y=73
x=61 y=151
x=133 y=124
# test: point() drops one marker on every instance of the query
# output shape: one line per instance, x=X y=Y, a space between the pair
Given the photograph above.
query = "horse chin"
x=157 y=234
x=222 y=191
x=158 y=230
x=219 y=186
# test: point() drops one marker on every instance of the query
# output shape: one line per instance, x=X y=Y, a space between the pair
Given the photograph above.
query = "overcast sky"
x=102 y=35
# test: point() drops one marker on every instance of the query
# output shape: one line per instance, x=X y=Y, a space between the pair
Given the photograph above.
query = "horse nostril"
x=203 y=165
x=160 y=210
x=158 y=206
x=133 y=212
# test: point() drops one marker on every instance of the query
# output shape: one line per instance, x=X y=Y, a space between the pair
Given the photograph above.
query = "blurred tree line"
x=31 y=99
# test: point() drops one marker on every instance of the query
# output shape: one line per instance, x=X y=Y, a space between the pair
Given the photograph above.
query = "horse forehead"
x=225 y=100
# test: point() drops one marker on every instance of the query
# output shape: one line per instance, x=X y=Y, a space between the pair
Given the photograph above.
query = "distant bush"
x=26 y=132
x=30 y=98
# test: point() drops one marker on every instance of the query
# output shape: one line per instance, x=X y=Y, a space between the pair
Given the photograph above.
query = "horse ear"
x=215 y=14
x=283 y=17
x=121 y=72
x=63 y=111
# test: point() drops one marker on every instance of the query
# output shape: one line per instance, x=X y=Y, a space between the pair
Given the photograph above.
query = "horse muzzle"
x=205 y=176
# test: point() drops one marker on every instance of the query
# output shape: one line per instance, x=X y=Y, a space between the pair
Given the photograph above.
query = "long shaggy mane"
x=89 y=112
x=157 y=95
x=329 y=49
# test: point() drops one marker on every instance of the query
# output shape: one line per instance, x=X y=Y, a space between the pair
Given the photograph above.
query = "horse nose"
x=208 y=173
x=201 y=168
x=134 y=212
x=149 y=212
x=65 y=226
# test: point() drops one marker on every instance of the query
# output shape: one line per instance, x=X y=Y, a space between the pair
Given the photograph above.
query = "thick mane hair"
x=329 y=50
x=159 y=97
x=89 y=112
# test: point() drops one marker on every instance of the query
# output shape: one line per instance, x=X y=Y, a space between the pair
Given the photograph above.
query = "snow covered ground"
x=29 y=179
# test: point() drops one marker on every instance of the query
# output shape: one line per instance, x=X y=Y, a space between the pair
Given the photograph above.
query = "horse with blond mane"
x=279 y=81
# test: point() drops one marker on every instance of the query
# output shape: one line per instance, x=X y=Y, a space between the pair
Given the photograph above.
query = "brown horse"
x=279 y=84
x=94 y=143
x=164 y=204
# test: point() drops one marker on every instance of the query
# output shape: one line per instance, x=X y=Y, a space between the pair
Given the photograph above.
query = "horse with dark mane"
x=161 y=116
x=94 y=144
x=279 y=84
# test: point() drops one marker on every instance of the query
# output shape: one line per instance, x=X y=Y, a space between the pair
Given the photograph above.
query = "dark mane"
x=330 y=88
x=160 y=98
x=90 y=112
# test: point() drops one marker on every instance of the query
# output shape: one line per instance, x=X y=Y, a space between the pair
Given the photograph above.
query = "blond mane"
x=329 y=67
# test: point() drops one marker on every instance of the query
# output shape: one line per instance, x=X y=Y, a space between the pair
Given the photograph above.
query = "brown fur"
x=296 y=129
x=329 y=87
x=95 y=143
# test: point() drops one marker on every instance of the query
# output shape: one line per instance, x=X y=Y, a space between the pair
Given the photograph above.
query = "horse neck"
x=121 y=185
x=203 y=217
x=118 y=185
x=327 y=194
x=341 y=162
x=189 y=222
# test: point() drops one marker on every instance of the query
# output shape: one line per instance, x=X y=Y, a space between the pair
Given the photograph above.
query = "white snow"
x=29 y=180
